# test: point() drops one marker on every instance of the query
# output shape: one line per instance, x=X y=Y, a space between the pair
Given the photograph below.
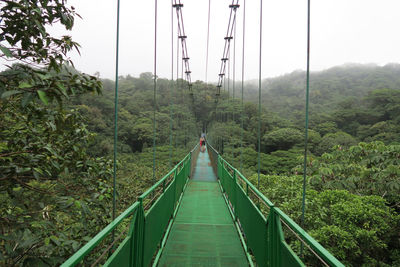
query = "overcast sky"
x=342 y=31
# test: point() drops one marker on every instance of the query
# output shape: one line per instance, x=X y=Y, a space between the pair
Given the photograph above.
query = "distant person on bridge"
x=202 y=143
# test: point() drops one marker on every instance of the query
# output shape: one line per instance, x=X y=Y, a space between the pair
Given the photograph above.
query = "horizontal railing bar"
x=304 y=242
x=308 y=239
x=86 y=249
x=195 y=147
x=153 y=187
x=252 y=187
x=109 y=247
x=215 y=151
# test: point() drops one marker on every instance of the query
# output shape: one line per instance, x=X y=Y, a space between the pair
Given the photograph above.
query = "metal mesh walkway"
x=203 y=233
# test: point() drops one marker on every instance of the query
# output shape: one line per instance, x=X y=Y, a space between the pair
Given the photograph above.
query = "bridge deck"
x=203 y=233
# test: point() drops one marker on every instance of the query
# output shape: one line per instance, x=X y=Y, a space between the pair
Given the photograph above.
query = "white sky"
x=342 y=31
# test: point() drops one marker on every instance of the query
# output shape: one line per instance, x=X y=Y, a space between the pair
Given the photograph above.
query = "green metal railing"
x=262 y=225
x=150 y=217
x=267 y=234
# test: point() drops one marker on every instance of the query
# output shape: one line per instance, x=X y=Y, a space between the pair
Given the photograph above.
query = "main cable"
x=181 y=33
x=225 y=55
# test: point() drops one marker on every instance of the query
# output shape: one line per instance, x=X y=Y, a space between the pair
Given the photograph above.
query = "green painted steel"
x=253 y=224
x=147 y=228
x=156 y=222
x=203 y=233
x=264 y=237
x=209 y=220
x=81 y=253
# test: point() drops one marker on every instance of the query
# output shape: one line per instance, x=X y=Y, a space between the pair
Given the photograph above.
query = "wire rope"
x=241 y=104
x=306 y=121
x=234 y=63
x=177 y=75
x=172 y=85
x=155 y=91
x=208 y=39
x=229 y=74
x=116 y=117
x=259 y=101
x=228 y=37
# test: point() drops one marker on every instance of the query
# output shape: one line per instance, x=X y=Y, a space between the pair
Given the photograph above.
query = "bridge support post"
x=235 y=185
x=275 y=236
x=138 y=237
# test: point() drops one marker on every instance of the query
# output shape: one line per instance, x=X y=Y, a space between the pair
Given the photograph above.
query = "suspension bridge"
x=203 y=212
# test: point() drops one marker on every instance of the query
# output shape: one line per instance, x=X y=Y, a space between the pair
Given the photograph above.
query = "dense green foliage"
x=358 y=230
x=135 y=121
x=54 y=194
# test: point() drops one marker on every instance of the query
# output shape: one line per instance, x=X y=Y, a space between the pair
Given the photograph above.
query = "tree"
x=364 y=169
x=48 y=179
x=282 y=139
x=24 y=38
x=330 y=140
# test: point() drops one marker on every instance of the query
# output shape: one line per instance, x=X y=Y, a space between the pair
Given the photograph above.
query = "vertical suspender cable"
x=208 y=39
x=155 y=90
x=229 y=71
x=234 y=62
x=241 y=104
x=177 y=81
x=306 y=122
x=233 y=82
x=115 y=119
x=172 y=85
x=259 y=100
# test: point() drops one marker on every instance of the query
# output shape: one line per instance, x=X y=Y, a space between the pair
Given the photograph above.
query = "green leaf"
x=55 y=240
x=62 y=89
x=6 y=51
x=10 y=93
x=24 y=85
x=26 y=99
x=43 y=97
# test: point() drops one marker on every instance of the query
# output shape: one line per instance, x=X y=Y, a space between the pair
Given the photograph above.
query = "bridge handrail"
x=158 y=183
x=320 y=252
x=137 y=210
x=86 y=249
x=309 y=239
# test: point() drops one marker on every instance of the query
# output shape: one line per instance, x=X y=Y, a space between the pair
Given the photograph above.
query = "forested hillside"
x=328 y=88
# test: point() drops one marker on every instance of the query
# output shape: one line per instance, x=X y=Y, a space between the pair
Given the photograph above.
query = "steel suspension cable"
x=259 y=101
x=208 y=39
x=155 y=90
x=172 y=85
x=234 y=64
x=177 y=77
x=303 y=206
x=181 y=33
x=241 y=104
x=116 y=117
x=228 y=37
x=229 y=74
